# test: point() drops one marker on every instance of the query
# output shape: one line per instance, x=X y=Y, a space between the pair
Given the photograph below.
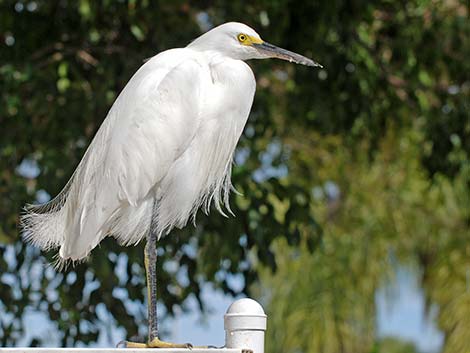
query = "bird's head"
x=238 y=41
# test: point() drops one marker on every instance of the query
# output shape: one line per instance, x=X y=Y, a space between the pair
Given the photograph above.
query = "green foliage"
x=393 y=345
x=404 y=217
x=390 y=66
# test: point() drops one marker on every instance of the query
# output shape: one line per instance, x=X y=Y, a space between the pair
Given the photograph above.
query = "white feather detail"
x=167 y=141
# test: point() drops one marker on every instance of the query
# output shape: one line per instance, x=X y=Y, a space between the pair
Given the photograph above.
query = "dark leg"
x=151 y=272
x=150 y=260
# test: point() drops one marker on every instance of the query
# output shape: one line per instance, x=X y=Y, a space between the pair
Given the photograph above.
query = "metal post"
x=245 y=325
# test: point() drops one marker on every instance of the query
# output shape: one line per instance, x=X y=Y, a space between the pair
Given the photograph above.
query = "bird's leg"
x=150 y=260
x=151 y=274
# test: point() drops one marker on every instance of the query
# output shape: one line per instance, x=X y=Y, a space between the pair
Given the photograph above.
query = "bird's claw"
x=155 y=343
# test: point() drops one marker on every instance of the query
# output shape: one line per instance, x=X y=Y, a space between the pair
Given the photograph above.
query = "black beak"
x=272 y=51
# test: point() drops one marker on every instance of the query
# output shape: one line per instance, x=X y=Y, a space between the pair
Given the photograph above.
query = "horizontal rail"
x=122 y=350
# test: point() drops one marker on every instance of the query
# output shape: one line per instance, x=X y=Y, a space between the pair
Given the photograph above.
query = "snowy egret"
x=164 y=150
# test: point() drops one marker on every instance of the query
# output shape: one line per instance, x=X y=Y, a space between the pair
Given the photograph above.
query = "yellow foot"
x=155 y=343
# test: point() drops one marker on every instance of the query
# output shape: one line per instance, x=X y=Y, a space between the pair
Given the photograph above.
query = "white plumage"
x=168 y=140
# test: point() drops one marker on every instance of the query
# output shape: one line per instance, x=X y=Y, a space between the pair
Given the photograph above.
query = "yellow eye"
x=241 y=37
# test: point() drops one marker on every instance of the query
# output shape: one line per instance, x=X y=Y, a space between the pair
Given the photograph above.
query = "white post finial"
x=245 y=324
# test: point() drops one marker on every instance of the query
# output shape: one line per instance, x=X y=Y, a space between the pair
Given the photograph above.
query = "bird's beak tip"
x=312 y=63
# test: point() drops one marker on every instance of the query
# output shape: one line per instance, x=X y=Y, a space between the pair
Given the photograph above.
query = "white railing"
x=244 y=323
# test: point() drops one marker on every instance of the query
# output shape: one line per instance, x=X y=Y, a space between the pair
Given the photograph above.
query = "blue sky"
x=401 y=312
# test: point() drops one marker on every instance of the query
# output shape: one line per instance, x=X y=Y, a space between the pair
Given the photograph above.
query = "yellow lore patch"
x=245 y=39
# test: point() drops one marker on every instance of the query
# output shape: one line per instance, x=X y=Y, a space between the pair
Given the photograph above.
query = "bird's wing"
x=151 y=123
x=161 y=114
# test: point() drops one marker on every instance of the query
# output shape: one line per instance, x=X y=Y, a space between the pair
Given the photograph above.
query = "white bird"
x=164 y=150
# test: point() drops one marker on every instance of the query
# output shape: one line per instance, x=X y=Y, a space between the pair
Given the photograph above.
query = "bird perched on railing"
x=164 y=150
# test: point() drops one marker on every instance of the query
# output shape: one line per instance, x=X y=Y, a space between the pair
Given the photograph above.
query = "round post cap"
x=245 y=314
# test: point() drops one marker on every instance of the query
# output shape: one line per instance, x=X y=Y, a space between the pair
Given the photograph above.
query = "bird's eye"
x=241 y=37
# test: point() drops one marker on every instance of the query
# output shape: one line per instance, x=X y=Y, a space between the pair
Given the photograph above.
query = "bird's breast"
x=202 y=173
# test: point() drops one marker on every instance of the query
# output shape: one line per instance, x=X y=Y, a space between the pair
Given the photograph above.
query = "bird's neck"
x=214 y=57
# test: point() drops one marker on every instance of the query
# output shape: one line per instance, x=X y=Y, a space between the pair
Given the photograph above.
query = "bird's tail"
x=44 y=225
